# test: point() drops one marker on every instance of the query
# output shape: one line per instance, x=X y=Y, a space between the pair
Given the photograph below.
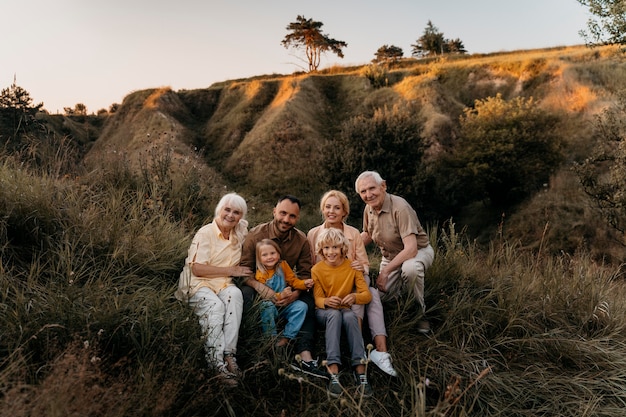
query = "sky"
x=96 y=52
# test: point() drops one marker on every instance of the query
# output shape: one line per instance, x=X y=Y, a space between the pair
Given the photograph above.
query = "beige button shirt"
x=396 y=220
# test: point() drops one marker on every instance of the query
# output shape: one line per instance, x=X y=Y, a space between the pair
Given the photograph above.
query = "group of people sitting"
x=306 y=279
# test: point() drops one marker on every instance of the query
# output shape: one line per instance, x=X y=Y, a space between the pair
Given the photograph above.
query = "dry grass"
x=530 y=323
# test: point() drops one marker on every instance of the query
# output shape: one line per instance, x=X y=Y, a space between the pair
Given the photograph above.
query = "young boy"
x=337 y=287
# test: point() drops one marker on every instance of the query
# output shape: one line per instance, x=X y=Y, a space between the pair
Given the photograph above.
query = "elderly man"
x=392 y=224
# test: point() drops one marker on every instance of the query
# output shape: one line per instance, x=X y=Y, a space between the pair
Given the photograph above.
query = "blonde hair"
x=331 y=236
x=261 y=243
x=343 y=199
x=237 y=202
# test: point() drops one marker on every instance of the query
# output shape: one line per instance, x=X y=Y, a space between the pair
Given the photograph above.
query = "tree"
x=603 y=174
x=390 y=141
x=15 y=97
x=455 y=46
x=16 y=109
x=433 y=42
x=80 y=109
x=388 y=53
x=307 y=34
x=610 y=26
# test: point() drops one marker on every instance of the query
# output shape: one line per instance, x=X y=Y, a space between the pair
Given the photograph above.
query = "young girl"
x=279 y=278
x=334 y=290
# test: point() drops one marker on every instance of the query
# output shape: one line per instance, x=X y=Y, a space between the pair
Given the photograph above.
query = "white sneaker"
x=383 y=361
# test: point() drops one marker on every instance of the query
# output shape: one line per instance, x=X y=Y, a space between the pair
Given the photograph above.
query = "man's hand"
x=287 y=296
x=381 y=281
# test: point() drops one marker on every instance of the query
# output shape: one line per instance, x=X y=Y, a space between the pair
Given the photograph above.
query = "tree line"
x=307 y=34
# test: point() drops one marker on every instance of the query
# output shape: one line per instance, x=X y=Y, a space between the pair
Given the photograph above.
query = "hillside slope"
x=271 y=135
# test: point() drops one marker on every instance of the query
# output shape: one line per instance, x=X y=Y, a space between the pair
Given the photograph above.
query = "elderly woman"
x=335 y=208
x=206 y=283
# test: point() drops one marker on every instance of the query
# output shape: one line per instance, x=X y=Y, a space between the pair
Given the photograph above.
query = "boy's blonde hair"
x=331 y=236
x=264 y=242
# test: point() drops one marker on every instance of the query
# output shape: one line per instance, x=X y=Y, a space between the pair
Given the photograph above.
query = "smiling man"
x=392 y=224
x=296 y=250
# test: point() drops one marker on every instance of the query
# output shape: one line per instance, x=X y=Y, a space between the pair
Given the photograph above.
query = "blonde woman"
x=335 y=208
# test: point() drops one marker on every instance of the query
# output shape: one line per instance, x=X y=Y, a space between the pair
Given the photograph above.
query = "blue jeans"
x=293 y=313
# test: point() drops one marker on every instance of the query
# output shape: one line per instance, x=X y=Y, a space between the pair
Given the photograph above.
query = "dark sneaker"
x=334 y=387
x=309 y=368
x=364 y=387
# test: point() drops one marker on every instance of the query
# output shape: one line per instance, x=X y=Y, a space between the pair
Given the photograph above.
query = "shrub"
x=507 y=149
x=603 y=175
x=376 y=74
x=390 y=142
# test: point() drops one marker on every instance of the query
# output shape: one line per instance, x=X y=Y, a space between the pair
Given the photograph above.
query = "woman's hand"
x=357 y=266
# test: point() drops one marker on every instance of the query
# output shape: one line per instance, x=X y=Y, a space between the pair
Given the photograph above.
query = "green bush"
x=388 y=141
x=506 y=149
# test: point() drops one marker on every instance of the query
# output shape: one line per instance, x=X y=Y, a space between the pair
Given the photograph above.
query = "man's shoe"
x=423 y=326
x=309 y=368
x=383 y=361
x=334 y=387
x=364 y=387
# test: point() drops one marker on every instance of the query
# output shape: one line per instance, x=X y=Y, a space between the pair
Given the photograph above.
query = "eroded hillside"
x=272 y=135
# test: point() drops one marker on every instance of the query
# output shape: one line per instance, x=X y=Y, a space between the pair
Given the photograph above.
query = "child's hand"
x=308 y=283
x=333 y=302
x=349 y=300
x=285 y=293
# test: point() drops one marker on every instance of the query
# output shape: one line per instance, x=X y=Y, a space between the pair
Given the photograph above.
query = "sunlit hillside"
x=525 y=296
x=271 y=135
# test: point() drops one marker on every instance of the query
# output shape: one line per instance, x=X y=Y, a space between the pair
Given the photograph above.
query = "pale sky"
x=96 y=52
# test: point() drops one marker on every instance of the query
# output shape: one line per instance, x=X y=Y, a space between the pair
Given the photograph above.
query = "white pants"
x=410 y=276
x=220 y=317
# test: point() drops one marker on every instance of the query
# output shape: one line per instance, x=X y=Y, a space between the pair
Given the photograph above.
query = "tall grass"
x=88 y=324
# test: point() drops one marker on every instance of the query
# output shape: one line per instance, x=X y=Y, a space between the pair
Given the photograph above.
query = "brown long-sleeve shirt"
x=294 y=247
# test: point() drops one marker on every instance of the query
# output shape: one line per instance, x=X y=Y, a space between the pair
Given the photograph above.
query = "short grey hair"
x=365 y=174
x=238 y=203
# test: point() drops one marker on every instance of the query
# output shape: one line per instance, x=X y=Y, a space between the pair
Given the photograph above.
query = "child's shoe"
x=334 y=387
x=364 y=387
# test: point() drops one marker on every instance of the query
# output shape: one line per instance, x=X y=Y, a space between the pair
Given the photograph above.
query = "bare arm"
x=210 y=271
x=367 y=239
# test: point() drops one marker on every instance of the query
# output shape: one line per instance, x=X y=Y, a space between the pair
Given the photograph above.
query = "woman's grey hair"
x=365 y=174
x=237 y=202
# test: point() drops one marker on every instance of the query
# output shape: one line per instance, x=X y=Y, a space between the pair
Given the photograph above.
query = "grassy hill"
x=526 y=298
x=271 y=135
